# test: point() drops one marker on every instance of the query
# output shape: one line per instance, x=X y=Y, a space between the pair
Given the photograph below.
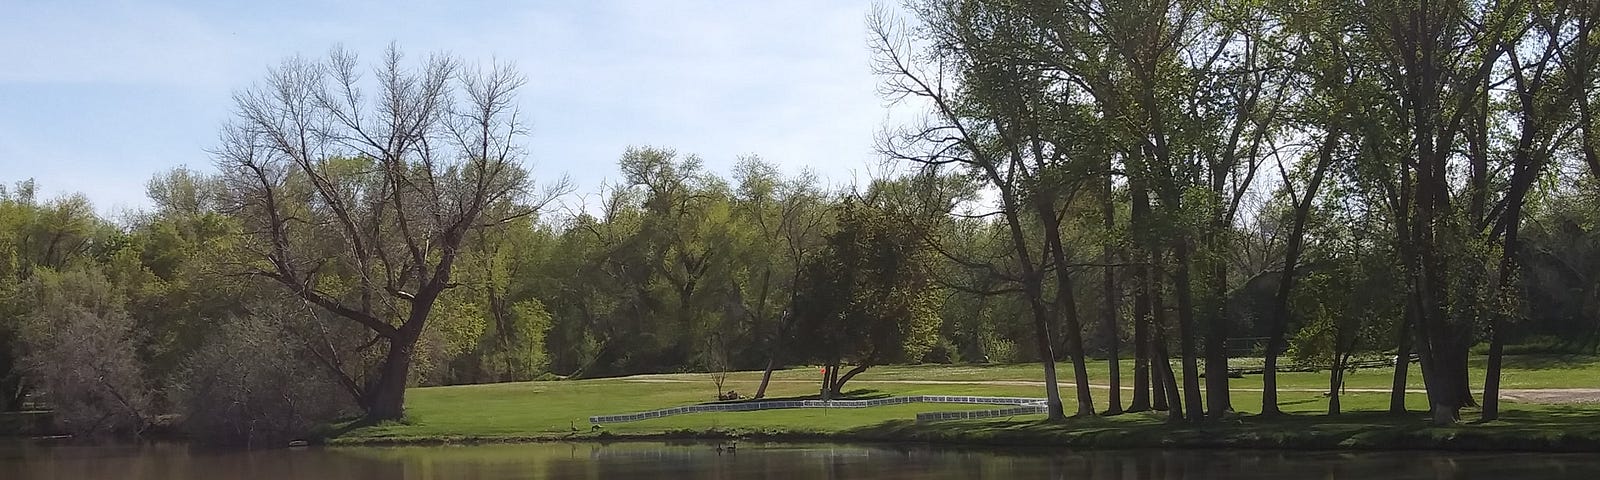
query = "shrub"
x=999 y=350
x=79 y=349
x=943 y=351
x=249 y=384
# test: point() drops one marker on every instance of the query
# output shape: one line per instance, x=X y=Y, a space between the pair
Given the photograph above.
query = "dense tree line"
x=1091 y=181
x=1424 y=133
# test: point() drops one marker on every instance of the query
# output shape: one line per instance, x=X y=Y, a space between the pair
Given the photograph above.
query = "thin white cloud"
x=58 y=42
x=58 y=172
x=786 y=80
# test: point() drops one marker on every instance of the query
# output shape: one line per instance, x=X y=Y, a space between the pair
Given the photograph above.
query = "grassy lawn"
x=552 y=410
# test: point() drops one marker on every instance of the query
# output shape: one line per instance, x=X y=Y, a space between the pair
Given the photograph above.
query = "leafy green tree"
x=778 y=223
x=1561 y=254
x=506 y=284
x=866 y=298
x=594 y=296
x=686 y=239
x=996 y=139
x=1348 y=299
x=59 y=234
x=168 y=268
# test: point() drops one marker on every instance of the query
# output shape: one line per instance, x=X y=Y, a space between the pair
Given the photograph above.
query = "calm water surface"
x=632 y=460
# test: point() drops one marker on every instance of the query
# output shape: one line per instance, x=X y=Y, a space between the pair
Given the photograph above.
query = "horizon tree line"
x=1090 y=180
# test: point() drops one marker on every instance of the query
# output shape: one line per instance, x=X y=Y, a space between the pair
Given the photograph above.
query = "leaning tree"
x=356 y=195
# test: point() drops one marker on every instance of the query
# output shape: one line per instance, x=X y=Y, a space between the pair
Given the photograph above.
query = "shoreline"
x=1077 y=434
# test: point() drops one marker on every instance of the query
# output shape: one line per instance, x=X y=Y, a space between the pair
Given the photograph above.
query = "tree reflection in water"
x=653 y=460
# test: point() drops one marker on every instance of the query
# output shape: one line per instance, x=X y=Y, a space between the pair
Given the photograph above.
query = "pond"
x=649 y=460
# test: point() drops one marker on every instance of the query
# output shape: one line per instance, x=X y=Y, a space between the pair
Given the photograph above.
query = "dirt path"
x=1553 y=396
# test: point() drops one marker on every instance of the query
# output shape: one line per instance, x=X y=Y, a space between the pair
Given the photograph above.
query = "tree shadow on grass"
x=1545 y=362
x=865 y=394
x=345 y=425
x=1284 y=403
x=857 y=394
x=1552 y=416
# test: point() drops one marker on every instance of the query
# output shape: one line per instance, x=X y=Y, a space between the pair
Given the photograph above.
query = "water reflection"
x=760 y=461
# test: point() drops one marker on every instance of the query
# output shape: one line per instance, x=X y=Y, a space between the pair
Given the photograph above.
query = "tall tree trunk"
x=1410 y=234
x=766 y=374
x=1216 y=342
x=830 y=376
x=1170 y=393
x=1141 y=339
x=1182 y=287
x=1442 y=409
x=1169 y=382
x=1068 y=307
x=1439 y=339
x=1336 y=380
x=1525 y=169
x=1439 y=372
x=1427 y=86
x=1491 y=381
x=1033 y=289
x=1047 y=358
x=1463 y=362
x=1269 y=372
x=1109 y=310
x=1054 y=410
x=1158 y=386
x=1402 y=361
x=386 y=398
x=1279 y=321
x=1144 y=337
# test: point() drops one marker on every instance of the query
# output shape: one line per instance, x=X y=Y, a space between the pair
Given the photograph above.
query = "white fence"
x=1020 y=406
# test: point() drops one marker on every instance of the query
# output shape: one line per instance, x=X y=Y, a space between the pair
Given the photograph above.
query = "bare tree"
x=360 y=204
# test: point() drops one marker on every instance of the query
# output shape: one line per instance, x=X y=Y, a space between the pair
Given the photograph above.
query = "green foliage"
x=518 y=353
x=1348 y=299
x=62 y=234
x=867 y=297
x=1417 y=171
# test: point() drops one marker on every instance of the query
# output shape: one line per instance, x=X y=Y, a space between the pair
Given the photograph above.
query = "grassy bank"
x=533 y=411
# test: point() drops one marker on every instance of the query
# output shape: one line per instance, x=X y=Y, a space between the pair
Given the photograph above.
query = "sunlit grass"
x=560 y=409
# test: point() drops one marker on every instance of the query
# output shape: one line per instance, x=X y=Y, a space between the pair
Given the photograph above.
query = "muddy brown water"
x=648 y=460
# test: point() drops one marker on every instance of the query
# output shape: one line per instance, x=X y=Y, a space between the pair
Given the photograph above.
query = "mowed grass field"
x=560 y=409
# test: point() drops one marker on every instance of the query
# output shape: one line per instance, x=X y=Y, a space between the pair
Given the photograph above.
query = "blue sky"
x=96 y=97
